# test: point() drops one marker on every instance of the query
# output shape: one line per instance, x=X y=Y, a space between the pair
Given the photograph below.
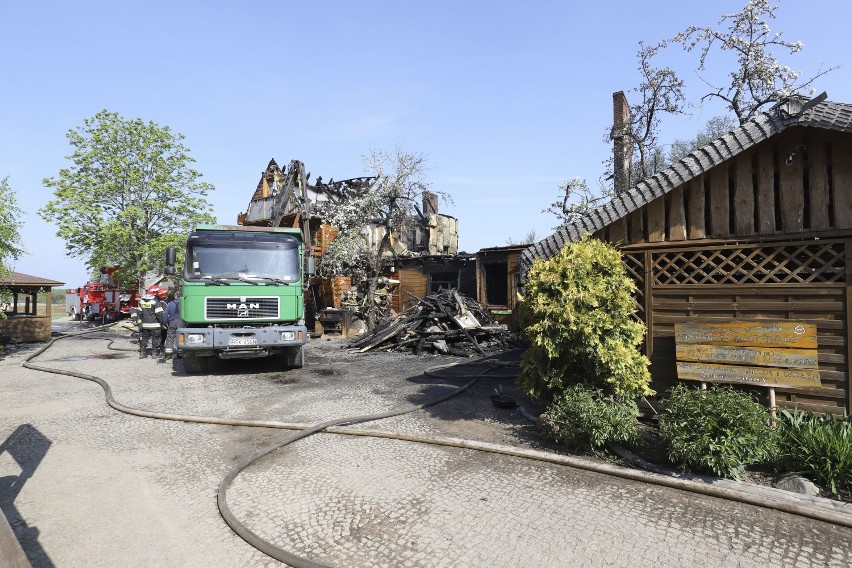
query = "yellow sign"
x=754 y=333
x=756 y=376
x=757 y=356
x=759 y=353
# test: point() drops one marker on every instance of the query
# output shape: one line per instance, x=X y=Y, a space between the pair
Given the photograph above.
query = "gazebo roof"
x=20 y=280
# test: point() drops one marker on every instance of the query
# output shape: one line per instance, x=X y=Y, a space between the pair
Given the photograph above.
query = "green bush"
x=577 y=314
x=818 y=447
x=586 y=419
x=718 y=431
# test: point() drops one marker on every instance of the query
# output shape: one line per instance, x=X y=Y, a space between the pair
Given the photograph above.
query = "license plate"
x=243 y=341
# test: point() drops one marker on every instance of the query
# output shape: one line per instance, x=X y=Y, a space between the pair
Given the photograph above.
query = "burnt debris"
x=444 y=322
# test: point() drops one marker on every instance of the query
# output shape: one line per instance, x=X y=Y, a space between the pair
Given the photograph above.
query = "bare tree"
x=758 y=79
x=575 y=201
x=715 y=127
x=528 y=239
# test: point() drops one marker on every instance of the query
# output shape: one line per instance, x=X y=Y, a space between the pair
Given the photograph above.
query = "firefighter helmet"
x=156 y=291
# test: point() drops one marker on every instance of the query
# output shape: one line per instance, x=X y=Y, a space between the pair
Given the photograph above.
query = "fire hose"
x=838 y=517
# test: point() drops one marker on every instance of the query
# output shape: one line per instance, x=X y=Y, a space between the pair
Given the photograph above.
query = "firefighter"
x=160 y=295
x=172 y=321
x=151 y=313
x=135 y=317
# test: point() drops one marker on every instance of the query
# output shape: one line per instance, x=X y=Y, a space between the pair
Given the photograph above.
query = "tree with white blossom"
x=758 y=79
x=368 y=220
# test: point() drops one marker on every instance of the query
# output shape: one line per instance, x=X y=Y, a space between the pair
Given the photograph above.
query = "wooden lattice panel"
x=635 y=266
x=790 y=263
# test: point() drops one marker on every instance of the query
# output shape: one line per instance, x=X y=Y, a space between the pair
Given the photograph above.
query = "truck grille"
x=241 y=308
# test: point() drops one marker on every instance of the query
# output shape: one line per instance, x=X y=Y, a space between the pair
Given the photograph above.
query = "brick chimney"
x=622 y=145
x=430 y=203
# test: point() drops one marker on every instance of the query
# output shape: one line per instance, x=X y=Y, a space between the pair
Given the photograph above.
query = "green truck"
x=242 y=295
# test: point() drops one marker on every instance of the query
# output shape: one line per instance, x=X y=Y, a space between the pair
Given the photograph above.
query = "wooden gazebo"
x=23 y=322
x=755 y=225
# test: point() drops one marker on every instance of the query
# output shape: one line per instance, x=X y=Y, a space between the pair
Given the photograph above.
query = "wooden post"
x=696 y=230
x=720 y=210
x=637 y=231
x=657 y=220
x=649 y=304
x=818 y=188
x=772 y=407
x=618 y=232
x=791 y=179
x=842 y=171
x=744 y=196
x=848 y=246
x=676 y=216
x=765 y=192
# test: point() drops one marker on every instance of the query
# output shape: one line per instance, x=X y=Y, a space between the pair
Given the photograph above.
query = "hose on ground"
x=836 y=515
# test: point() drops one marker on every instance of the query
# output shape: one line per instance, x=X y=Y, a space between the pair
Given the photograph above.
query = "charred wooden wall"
x=766 y=235
x=420 y=275
x=504 y=259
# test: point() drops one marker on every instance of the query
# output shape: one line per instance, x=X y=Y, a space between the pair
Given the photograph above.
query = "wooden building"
x=497 y=282
x=755 y=225
x=23 y=322
x=423 y=275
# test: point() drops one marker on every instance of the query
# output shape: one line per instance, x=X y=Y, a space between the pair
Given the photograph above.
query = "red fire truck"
x=100 y=300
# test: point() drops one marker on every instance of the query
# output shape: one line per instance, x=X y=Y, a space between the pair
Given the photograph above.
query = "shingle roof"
x=816 y=113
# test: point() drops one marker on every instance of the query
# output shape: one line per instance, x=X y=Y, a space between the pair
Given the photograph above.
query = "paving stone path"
x=84 y=485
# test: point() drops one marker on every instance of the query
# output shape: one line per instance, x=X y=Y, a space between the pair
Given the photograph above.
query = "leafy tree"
x=758 y=79
x=129 y=193
x=369 y=220
x=578 y=315
x=11 y=248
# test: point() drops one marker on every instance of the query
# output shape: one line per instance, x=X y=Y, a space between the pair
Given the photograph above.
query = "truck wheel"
x=293 y=357
x=193 y=364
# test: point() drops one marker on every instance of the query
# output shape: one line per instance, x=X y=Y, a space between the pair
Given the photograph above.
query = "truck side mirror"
x=311 y=266
x=171 y=257
x=169 y=271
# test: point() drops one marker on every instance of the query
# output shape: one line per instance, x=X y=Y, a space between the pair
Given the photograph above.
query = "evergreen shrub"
x=577 y=314
x=586 y=419
x=718 y=431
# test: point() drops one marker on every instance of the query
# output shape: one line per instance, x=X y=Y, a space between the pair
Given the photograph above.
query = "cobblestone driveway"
x=84 y=485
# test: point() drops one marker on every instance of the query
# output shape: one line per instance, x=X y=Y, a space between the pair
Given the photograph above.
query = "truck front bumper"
x=240 y=341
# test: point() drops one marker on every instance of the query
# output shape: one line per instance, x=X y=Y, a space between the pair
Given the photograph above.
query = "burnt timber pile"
x=444 y=322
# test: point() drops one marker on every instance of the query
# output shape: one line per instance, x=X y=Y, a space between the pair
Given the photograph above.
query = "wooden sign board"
x=759 y=353
x=755 y=376
x=756 y=356
x=786 y=334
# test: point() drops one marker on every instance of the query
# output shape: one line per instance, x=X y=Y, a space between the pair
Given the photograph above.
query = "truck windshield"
x=274 y=257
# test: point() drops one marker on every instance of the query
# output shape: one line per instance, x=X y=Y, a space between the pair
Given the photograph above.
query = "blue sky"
x=505 y=99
